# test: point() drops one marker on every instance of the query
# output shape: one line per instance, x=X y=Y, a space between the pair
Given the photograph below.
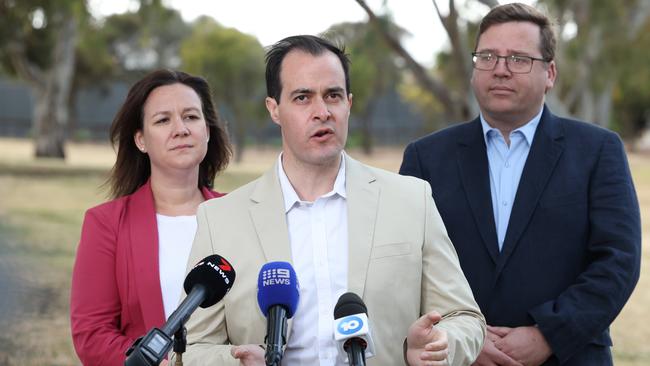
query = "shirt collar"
x=289 y=193
x=528 y=130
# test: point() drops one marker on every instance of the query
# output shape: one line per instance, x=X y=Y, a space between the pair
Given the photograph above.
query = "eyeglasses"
x=487 y=61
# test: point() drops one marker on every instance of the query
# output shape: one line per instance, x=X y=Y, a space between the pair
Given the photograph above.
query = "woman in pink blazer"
x=133 y=250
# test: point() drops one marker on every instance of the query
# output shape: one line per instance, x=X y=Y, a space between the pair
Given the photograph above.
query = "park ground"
x=41 y=210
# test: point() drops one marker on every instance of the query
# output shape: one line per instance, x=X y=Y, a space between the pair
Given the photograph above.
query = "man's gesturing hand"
x=427 y=344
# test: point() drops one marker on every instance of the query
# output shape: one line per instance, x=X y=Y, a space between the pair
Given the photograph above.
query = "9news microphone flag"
x=277 y=296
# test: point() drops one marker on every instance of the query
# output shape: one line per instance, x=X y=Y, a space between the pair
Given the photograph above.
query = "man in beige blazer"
x=399 y=257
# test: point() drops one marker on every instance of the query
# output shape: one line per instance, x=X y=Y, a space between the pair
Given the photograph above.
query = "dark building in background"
x=394 y=121
x=90 y=118
x=15 y=109
x=94 y=110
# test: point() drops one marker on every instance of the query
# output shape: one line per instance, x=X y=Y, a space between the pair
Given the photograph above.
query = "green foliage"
x=374 y=67
x=139 y=41
x=95 y=63
x=446 y=70
x=233 y=64
x=426 y=103
x=607 y=44
x=29 y=27
x=374 y=70
x=232 y=61
x=632 y=96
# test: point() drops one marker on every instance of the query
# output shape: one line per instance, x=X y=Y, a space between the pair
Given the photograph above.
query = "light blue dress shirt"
x=506 y=165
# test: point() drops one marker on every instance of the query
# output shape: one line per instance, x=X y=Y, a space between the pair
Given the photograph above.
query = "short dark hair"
x=517 y=12
x=132 y=168
x=307 y=43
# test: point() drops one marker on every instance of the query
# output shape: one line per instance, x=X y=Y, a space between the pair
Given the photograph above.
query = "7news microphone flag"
x=206 y=284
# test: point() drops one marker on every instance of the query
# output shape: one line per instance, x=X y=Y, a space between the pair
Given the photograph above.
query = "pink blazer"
x=115 y=296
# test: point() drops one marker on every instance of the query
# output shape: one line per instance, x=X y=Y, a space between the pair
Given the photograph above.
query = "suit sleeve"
x=95 y=305
x=411 y=162
x=585 y=309
x=207 y=334
x=445 y=289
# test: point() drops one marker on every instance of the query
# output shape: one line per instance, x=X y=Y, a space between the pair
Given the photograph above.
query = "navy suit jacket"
x=571 y=255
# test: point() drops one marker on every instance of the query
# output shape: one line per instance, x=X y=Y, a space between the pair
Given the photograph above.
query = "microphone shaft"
x=276 y=334
x=356 y=352
x=185 y=309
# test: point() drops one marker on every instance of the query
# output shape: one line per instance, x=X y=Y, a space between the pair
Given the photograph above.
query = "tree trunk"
x=366 y=128
x=604 y=104
x=52 y=95
x=460 y=51
x=48 y=134
x=587 y=106
x=239 y=137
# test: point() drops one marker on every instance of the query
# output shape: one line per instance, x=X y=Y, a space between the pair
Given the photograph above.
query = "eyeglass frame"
x=506 y=58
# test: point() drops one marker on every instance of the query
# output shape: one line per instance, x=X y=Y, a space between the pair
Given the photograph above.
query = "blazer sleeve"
x=585 y=309
x=411 y=162
x=207 y=336
x=445 y=289
x=95 y=302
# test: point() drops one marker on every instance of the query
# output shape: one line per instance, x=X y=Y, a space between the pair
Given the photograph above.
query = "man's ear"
x=551 y=75
x=273 y=108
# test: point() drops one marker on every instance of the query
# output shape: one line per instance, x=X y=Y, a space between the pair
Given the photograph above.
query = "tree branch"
x=460 y=52
x=638 y=17
x=490 y=3
x=426 y=81
x=24 y=68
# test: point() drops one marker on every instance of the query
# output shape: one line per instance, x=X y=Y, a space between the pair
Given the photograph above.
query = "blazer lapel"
x=144 y=250
x=270 y=221
x=269 y=217
x=547 y=147
x=362 y=199
x=474 y=173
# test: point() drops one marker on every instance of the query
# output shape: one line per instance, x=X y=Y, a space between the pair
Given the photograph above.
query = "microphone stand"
x=180 y=341
x=356 y=354
x=152 y=348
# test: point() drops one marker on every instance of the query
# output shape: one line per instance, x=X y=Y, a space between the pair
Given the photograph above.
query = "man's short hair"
x=307 y=43
x=517 y=12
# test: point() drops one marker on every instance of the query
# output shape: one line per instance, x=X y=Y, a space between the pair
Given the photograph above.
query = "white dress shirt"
x=318 y=235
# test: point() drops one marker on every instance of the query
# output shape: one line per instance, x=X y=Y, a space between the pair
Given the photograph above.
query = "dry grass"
x=41 y=209
x=629 y=331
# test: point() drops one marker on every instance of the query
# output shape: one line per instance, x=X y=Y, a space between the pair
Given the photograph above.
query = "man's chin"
x=327 y=158
x=501 y=105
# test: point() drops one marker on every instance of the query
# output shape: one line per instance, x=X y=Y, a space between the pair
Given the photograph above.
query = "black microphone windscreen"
x=349 y=304
x=215 y=274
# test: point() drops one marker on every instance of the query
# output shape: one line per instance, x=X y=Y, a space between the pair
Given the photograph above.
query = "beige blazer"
x=401 y=262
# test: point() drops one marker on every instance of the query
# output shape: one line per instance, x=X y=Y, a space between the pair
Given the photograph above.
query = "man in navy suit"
x=541 y=209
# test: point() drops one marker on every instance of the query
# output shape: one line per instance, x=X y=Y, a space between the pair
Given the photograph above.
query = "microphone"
x=352 y=329
x=206 y=284
x=277 y=296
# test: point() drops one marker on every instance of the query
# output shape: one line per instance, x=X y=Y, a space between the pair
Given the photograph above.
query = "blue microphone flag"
x=277 y=284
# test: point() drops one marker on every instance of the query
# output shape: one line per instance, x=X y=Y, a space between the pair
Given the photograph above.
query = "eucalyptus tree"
x=374 y=69
x=38 y=41
x=233 y=64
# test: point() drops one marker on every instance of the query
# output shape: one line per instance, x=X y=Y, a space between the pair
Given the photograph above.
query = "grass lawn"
x=41 y=209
